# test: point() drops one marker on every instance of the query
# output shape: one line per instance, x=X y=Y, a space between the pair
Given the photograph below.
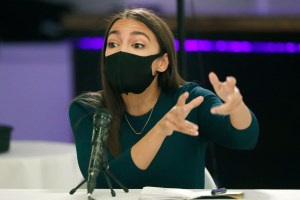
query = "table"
x=39 y=165
x=104 y=194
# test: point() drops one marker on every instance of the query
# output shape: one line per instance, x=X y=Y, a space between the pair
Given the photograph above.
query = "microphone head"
x=102 y=118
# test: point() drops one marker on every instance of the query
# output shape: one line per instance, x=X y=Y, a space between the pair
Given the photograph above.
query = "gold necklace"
x=138 y=133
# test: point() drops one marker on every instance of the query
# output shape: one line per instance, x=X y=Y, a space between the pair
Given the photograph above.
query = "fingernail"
x=213 y=111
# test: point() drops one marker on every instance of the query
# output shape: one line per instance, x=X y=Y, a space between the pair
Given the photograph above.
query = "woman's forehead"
x=130 y=25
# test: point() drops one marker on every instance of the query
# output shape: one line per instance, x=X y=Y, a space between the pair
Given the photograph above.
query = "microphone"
x=101 y=122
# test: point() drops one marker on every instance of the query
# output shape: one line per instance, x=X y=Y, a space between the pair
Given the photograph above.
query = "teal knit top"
x=180 y=161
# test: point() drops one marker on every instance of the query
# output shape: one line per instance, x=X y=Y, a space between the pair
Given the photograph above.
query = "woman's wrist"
x=241 y=117
x=159 y=132
x=239 y=108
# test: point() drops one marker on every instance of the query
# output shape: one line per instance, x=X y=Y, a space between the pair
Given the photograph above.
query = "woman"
x=161 y=124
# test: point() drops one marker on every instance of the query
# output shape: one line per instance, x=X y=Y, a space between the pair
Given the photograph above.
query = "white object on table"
x=39 y=165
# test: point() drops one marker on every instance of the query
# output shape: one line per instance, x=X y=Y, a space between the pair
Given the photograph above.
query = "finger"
x=194 y=103
x=191 y=129
x=233 y=94
x=230 y=84
x=181 y=100
x=227 y=89
x=186 y=127
x=214 y=80
x=221 y=110
x=228 y=107
x=231 y=80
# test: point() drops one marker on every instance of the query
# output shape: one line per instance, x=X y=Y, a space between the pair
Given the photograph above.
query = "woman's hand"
x=229 y=93
x=175 y=120
x=144 y=151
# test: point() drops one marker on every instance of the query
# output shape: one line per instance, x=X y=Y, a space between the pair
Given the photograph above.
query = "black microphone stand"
x=104 y=168
x=76 y=188
x=107 y=174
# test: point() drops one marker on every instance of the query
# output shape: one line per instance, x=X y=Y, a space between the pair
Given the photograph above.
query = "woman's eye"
x=112 y=44
x=138 y=45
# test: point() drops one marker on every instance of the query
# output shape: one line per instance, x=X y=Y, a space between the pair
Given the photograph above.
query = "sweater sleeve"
x=218 y=128
x=122 y=166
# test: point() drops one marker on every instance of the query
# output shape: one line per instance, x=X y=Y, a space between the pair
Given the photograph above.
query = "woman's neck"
x=139 y=104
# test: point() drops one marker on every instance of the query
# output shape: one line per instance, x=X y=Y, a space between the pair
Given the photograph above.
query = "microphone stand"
x=107 y=174
x=99 y=161
x=76 y=188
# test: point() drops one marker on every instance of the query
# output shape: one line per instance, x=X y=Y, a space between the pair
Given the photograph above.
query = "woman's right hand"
x=174 y=120
x=144 y=151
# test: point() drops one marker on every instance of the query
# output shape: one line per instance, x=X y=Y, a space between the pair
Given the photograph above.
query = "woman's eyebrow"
x=113 y=32
x=133 y=33
x=140 y=33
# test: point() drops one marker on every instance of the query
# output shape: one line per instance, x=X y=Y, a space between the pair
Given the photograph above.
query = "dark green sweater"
x=180 y=161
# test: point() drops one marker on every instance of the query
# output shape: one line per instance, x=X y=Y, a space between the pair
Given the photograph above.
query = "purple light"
x=235 y=46
x=196 y=45
x=205 y=45
x=191 y=45
x=291 y=47
x=221 y=46
x=270 y=47
x=91 y=43
x=176 y=43
x=282 y=47
x=245 y=46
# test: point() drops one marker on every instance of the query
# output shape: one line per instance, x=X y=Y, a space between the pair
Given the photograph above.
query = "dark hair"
x=168 y=80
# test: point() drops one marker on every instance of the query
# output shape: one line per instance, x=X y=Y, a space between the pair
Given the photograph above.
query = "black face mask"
x=128 y=72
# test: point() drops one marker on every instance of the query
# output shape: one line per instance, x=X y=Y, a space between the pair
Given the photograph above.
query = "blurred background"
x=50 y=49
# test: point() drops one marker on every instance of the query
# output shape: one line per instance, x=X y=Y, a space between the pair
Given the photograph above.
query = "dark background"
x=268 y=83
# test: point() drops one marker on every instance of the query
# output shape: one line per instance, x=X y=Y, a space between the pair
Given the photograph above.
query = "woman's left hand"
x=228 y=92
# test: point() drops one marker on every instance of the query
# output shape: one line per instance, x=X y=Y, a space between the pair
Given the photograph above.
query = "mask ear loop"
x=158 y=56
